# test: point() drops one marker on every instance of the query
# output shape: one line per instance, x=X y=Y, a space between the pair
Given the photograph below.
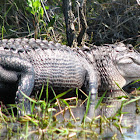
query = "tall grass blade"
x=87 y=108
x=121 y=89
x=65 y=102
x=135 y=82
x=2 y=32
x=26 y=131
x=30 y=99
x=100 y=100
x=41 y=91
x=77 y=96
x=59 y=95
x=131 y=101
x=47 y=91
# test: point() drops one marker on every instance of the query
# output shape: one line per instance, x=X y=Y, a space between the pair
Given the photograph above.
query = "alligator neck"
x=109 y=75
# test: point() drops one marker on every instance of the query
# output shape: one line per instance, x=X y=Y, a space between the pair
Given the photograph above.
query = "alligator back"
x=56 y=63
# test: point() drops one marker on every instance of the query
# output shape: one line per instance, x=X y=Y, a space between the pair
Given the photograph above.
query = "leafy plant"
x=34 y=7
x=37 y=10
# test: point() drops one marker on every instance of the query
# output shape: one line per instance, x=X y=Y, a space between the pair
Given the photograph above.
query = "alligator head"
x=127 y=61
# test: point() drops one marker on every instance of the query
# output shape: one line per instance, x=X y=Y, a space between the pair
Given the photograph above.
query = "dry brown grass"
x=114 y=21
x=108 y=21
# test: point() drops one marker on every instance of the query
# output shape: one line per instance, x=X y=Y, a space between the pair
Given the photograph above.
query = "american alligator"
x=27 y=64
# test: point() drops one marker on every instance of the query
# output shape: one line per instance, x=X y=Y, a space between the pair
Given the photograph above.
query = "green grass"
x=43 y=122
x=21 y=19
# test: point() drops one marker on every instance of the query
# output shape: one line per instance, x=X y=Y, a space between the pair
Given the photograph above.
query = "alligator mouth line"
x=135 y=61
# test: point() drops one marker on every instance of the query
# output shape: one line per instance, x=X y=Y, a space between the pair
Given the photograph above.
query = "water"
x=129 y=123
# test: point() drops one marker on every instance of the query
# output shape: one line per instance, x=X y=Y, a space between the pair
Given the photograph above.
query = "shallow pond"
x=68 y=124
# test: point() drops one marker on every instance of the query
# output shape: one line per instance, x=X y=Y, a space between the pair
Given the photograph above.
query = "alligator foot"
x=23 y=107
x=92 y=111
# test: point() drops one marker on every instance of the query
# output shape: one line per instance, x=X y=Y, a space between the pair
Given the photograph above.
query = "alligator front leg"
x=93 y=91
x=25 y=73
x=25 y=85
x=93 y=82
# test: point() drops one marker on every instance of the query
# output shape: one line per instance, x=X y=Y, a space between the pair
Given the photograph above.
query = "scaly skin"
x=27 y=64
x=31 y=63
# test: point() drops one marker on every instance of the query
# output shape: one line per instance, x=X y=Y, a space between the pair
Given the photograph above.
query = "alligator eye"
x=130 y=47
